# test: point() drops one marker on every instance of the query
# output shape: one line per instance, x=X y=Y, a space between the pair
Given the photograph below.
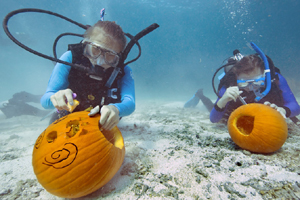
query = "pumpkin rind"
x=82 y=161
x=269 y=130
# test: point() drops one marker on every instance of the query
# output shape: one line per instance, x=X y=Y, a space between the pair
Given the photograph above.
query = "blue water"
x=179 y=57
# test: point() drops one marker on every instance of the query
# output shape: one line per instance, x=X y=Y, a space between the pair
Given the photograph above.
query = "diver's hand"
x=231 y=93
x=60 y=99
x=109 y=116
x=279 y=109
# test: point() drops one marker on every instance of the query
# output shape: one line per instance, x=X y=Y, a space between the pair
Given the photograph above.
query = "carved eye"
x=51 y=136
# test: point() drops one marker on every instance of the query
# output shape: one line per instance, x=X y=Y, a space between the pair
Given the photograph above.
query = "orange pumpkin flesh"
x=73 y=158
x=257 y=128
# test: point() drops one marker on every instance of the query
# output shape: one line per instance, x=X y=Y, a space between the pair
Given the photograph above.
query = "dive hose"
x=133 y=40
x=5 y=27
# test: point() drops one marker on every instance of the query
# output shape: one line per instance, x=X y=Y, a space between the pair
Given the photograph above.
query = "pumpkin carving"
x=257 y=128
x=73 y=158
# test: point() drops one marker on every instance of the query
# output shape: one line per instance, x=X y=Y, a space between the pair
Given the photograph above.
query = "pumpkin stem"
x=245 y=124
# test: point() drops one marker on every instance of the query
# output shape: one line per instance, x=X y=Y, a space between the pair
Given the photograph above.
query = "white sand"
x=171 y=153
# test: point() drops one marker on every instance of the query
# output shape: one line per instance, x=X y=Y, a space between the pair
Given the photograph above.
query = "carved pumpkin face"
x=257 y=128
x=73 y=158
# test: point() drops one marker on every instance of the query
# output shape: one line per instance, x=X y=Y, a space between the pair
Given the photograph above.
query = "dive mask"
x=100 y=55
x=252 y=84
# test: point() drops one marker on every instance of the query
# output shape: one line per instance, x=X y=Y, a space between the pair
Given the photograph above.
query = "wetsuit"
x=59 y=81
x=286 y=100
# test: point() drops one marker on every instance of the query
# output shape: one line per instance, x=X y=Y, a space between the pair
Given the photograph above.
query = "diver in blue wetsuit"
x=247 y=79
x=100 y=50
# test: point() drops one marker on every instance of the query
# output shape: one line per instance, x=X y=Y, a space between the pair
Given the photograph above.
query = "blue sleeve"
x=289 y=99
x=127 y=105
x=192 y=102
x=58 y=80
x=216 y=115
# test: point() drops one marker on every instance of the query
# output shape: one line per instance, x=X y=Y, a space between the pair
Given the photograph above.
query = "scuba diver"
x=253 y=79
x=100 y=50
x=93 y=71
x=18 y=105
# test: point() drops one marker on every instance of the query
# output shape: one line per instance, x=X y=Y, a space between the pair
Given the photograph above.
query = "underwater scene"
x=149 y=99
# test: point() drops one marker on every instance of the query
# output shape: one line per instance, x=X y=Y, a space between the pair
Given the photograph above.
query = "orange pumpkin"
x=257 y=128
x=73 y=158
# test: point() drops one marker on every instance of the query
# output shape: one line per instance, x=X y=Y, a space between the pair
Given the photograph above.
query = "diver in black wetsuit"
x=17 y=106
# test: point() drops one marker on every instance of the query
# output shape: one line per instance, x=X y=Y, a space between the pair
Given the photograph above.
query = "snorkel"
x=267 y=73
x=125 y=52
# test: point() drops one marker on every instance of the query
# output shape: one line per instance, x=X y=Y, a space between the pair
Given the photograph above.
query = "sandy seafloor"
x=171 y=153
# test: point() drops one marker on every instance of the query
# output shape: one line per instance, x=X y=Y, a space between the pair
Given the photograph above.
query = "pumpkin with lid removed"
x=257 y=128
x=73 y=158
